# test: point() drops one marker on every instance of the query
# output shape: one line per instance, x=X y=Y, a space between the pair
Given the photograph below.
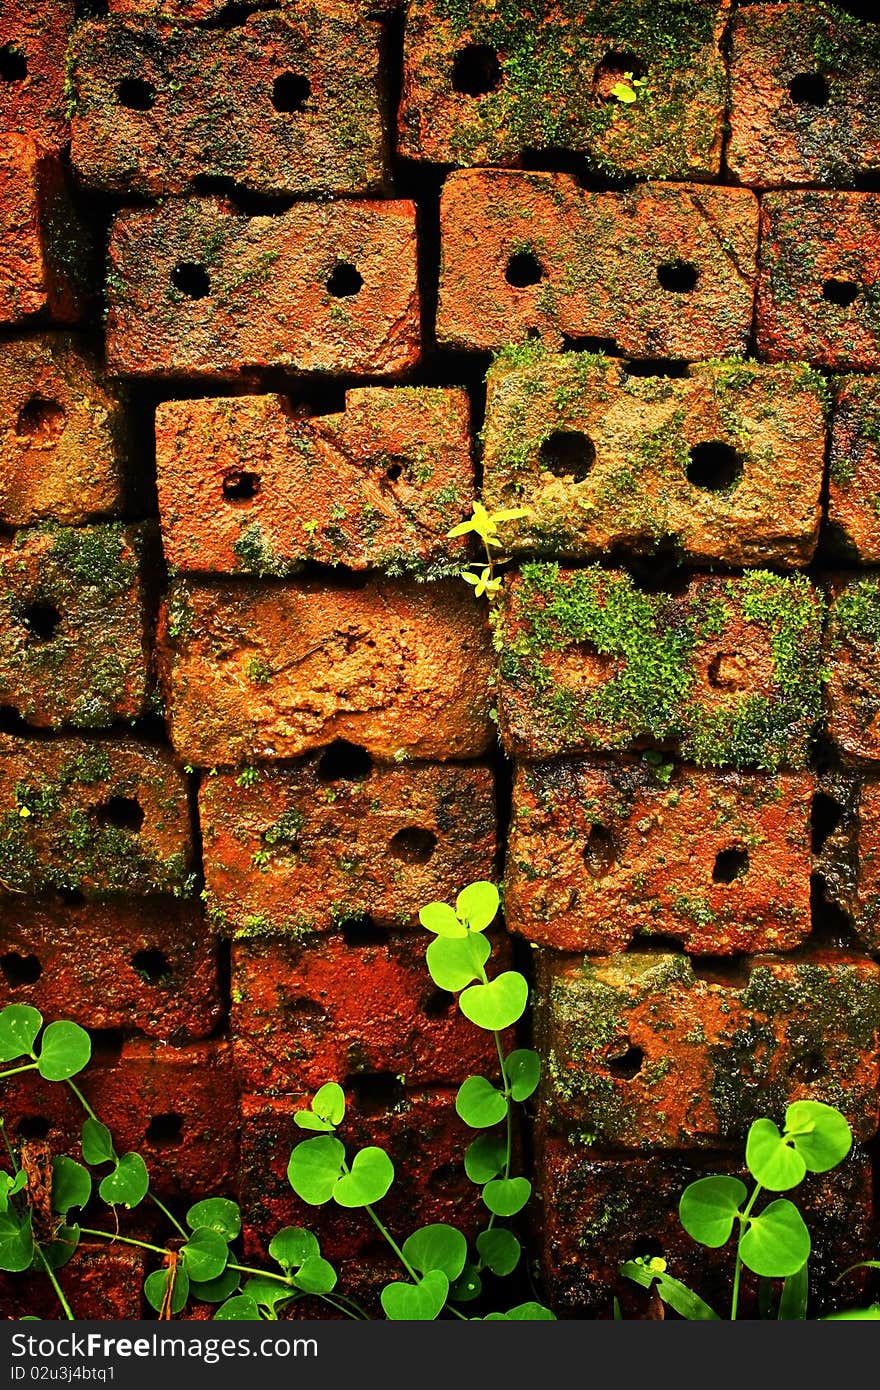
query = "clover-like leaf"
x=65 y=1049
x=97 y=1142
x=218 y=1214
x=477 y=905
x=452 y=964
x=771 y=1161
x=158 y=1284
x=440 y=919
x=776 y=1243
x=479 y=1103
x=523 y=1071
x=307 y=1119
x=709 y=1207
x=62 y=1246
x=467 y=1286
x=19 y=1026
x=241 y=1308
x=421 y=1302
x=206 y=1254
x=126 y=1185
x=71 y=1184
x=498 y=1004
x=315 y=1275
x=484 y=1158
x=292 y=1246
x=10 y=1186
x=523 y=1312
x=437 y=1247
x=507 y=1196
x=372 y=1173
x=820 y=1134
x=315 y=1167
x=215 y=1290
x=499 y=1250
x=16 y=1242
x=329 y=1103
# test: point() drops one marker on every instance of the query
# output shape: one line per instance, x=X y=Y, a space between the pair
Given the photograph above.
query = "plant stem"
x=165 y=1212
x=392 y=1242
x=83 y=1102
x=13 y=1071
x=262 y=1274
x=68 y=1311
x=113 y=1236
x=743 y=1218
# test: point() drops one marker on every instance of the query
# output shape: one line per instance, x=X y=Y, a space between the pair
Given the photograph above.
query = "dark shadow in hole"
x=41 y=621
x=714 y=466
x=840 y=292
x=107 y=1044
x=730 y=864
x=394 y=472
x=136 y=94
x=476 y=70
x=345 y=281
x=290 y=92
x=41 y=420
x=437 y=1004
x=344 y=762
x=647 y=1247
x=625 y=1060
x=362 y=931
x=523 y=269
x=612 y=69
x=679 y=277
x=809 y=89
x=121 y=812
x=13 y=63
x=413 y=845
x=831 y=924
x=599 y=852
x=72 y=897
x=660 y=366
x=191 y=279
x=809 y=1066
x=374 y=1091
x=659 y=943
x=239 y=486
x=152 y=965
x=11 y=721
x=32 y=1127
x=303 y=1009
x=568 y=454
x=165 y=1130
x=18 y=970
x=825 y=816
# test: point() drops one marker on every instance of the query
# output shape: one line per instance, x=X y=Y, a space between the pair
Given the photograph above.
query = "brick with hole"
x=661 y=270
x=149 y=965
x=402 y=669
x=247 y=487
x=101 y=1282
x=286 y=103
x=34 y=95
x=805 y=96
x=721 y=671
x=73 y=641
x=198 y=289
x=301 y=848
x=98 y=818
x=724 y=464
x=64 y=433
x=43 y=259
x=818 y=290
x=852 y=642
x=601 y=855
x=854 y=471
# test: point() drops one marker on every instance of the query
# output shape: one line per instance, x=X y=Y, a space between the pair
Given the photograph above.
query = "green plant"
x=485 y=525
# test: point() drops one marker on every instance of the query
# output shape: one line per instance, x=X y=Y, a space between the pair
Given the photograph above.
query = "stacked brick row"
x=252 y=720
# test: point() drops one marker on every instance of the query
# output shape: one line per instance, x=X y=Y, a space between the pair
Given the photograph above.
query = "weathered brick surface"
x=852 y=641
x=805 y=96
x=820 y=261
x=245 y=487
x=63 y=433
x=41 y=242
x=727 y=671
x=484 y=82
x=101 y=1282
x=94 y=817
x=650 y=1051
x=725 y=464
x=302 y=848
x=198 y=289
x=401 y=669
x=601 y=854
x=148 y=965
x=854 y=472
x=33 y=44
x=73 y=636
x=534 y=251
x=285 y=103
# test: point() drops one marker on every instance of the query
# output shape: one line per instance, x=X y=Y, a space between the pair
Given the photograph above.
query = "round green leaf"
x=329 y=1103
x=292 y=1246
x=499 y=1250
x=127 y=1184
x=218 y=1214
x=307 y=1119
x=238 y=1309
x=268 y=1293
x=10 y=1185
x=420 y=1302
x=215 y=1290
x=523 y=1071
x=64 y=1050
x=523 y=1312
x=16 y=1242
x=315 y=1275
x=441 y=919
x=484 y=1158
x=708 y=1209
x=156 y=1284
x=206 y=1254
x=498 y=1004
x=477 y=905
x=315 y=1167
x=467 y=1286
x=479 y=1103
x=372 y=1173
x=71 y=1184
x=821 y=1134
x=97 y=1142
x=507 y=1196
x=454 y=964
x=19 y=1026
x=776 y=1243
x=437 y=1247
x=770 y=1160
x=63 y=1248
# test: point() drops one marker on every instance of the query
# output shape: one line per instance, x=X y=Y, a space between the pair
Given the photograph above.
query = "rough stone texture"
x=852 y=641
x=63 y=433
x=725 y=672
x=817 y=295
x=301 y=849
x=33 y=44
x=246 y=487
x=723 y=465
x=591 y=263
x=401 y=669
x=601 y=854
x=101 y=1282
x=70 y=818
x=41 y=241
x=148 y=965
x=73 y=636
x=650 y=1050
x=550 y=75
x=281 y=104
x=805 y=96
x=198 y=289
x=854 y=472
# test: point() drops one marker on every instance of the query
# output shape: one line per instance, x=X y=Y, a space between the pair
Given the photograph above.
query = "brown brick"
x=198 y=289
x=854 y=474
x=401 y=669
x=805 y=96
x=654 y=1051
x=92 y=817
x=301 y=848
x=33 y=45
x=852 y=641
x=866 y=902
x=726 y=672
x=148 y=965
x=601 y=854
x=245 y=487
x=41 y=242
x=484 y=83
x=102 y=1281
x=820 y=260
x=73 y=639
x=285 y=103
x=725 y=464
x=661 y=270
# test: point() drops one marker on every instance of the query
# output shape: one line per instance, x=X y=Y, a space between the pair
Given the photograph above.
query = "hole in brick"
x=825 y=815
x=32 y=1127
x=362 y=931
x=394 y=472
x=679 y=277
x=599 y=851
x=191 y=279
x=568 y=454
x=438 y=1004
x=13 y=63
x=809 y=89
x=727 y=671
x=345 y=281
x=344 y=762
x=840 y=292
x=72 y=897
x=476 y=70
x=523 y=269
x=165 y=1130
x=41 y=621
x=136 y=94
x=374 y=1091
x=239 y=486
x=290 y=92
x=730 y=864
x=614 y=68
x=11 y=721
x=661 y=366
x=107 y=1044
x=647 y=1247
x=41 y=420
x=831 y=924
x=809 y=1066
x=121 y=812
x=152 y=965
x=304 y=1008
x=413 y=845
x=661 y=942
x=714 y=466
x=625 y=1060
x=20 y=970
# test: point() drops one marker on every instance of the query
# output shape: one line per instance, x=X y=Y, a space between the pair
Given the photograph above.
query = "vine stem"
x=114 y=1236
x=68 y=1311
x=13 y=1071
x=383 y=1230
x=508 y=1148
x=743 y=1223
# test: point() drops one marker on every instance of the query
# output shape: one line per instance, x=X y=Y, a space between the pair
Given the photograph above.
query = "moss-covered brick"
x=854 y=472
x=43 y=245
x=33 y=99
x=852 y=645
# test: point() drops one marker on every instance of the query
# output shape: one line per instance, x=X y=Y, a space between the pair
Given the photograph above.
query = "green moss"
x=259 y=671
x=256 y=556
x=856 y=612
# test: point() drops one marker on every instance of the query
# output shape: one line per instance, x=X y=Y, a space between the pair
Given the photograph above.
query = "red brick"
x=101 y=1282
x=302 y=848
x=651 y=1050
x=246 y=487
x=725 y=464
x=41 y=242
x=866 y=900
x=401 y=669
x=149 y=965
x=214 y=107
x=820 y=261
x=602 y=854
x=33 y=45
x=554 y=69
x=73 y=643
x=84 y=802
x=854 y=473
x=198 y=289
x=63 y=433
x=805 y=96
x=592 y=262
x=852 y=640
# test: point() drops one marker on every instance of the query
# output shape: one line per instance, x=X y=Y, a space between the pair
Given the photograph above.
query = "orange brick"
x=854 y=474
x=852 y=641
x=33 y=45
x=42 y=260
x=102 y=1281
